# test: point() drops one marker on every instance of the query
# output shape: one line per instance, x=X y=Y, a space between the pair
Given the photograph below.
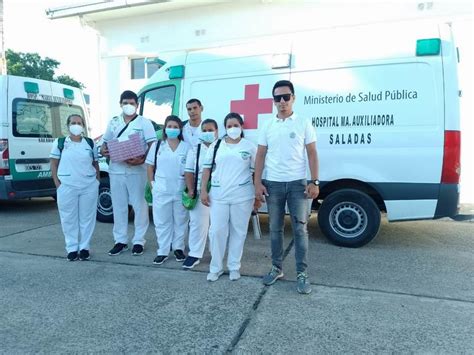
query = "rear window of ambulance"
x=35 y=118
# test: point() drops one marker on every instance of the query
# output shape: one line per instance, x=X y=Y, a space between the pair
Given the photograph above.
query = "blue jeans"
x=293 y=194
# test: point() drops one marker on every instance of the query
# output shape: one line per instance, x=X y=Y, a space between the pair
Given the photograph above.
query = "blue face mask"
x=207 y=137
x=172 y=133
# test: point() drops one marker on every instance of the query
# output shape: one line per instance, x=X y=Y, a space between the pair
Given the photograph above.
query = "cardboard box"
x=124 y=148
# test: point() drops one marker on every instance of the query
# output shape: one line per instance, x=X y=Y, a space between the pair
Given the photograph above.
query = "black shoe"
x=160 y=259
x=118 y=248
x=179 y=255
x=190 y=262
x=137 y=249
x=72 y=256
x=84 y=255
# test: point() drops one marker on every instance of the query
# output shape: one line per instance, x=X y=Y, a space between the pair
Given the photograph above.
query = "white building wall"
x=168 y=34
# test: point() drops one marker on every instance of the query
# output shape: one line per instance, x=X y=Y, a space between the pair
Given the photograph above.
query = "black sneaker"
x=84 y=255
x=160 y=259
x=190 y=262
x=72 y=256
x=137 y=249
x=118 y=248
x=179 y=255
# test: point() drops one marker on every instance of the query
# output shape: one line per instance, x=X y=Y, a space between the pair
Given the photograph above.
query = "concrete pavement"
x=410 y=290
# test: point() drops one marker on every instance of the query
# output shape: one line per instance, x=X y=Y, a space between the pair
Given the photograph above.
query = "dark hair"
x=193 y=100
x=127 y=95
x=176 y=119
x=237 y=117
x=211 y=121
x=282 y=83
x=68 y=120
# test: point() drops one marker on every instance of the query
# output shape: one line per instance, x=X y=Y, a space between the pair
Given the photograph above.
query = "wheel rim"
x=104 y=202
x=348 y=219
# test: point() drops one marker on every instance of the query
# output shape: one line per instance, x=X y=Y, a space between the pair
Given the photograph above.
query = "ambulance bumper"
x=15 y=190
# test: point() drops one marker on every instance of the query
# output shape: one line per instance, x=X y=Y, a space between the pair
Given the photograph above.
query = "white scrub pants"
x=77 y=210
x=198 y=229
x=228 y=221
x=129 y=189
x=171 y=222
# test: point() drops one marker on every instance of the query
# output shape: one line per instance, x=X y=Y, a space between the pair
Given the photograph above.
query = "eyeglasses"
x=286 y=97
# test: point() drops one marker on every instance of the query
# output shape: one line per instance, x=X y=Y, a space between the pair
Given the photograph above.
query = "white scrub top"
x=232 y=177
x=75 y=165
x=140 y=125
x=191 y=162
x=169 y=175
x=191 y=134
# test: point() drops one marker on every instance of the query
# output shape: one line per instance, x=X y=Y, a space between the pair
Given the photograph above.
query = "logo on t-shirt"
x=245 y=155
x=292 y=135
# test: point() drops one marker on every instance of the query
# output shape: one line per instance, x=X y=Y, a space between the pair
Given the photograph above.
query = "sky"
x=64 y=40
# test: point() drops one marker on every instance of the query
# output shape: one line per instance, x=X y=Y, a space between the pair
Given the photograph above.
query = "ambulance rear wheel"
x=349 y=218
x=105 y=212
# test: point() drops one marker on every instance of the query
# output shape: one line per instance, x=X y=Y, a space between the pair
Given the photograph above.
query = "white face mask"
x=76 y=129
x=234 y=132
x=128 y=109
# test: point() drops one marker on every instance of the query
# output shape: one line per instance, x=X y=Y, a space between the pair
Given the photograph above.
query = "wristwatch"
x=315 y=181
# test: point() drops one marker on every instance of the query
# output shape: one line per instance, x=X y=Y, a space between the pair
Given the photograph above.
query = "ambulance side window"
x=158 y=103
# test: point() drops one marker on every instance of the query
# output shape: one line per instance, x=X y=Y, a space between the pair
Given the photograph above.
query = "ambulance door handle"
x=22 y=152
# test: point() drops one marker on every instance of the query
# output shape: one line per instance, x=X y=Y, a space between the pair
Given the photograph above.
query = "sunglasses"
x=286 y=97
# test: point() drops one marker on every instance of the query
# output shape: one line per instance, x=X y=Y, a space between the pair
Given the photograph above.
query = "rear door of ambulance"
x=38 y=110
x=378 y=110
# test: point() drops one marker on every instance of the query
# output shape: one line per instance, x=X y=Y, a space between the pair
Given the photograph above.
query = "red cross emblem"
x=251 y=106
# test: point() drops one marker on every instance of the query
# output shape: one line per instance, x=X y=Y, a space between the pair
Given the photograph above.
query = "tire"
x=349 y=218
x=105 y=212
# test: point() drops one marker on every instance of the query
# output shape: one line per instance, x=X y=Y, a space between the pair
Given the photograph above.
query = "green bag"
x=148 y=193
x=188 y=202
x=148 y=189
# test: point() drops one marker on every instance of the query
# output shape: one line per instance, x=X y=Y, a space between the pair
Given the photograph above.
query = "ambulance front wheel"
x=349 y=218
x=105 y=212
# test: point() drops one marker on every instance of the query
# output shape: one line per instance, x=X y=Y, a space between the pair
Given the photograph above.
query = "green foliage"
x=31 y=65
x=67 y=80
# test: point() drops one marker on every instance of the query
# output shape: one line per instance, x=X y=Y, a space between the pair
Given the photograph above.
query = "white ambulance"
x=33 y=114
x=383 y=99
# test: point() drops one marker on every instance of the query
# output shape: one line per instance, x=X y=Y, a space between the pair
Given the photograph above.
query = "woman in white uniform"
x=199 y=215
x=75 y=172
x=166 y=175
x=231 y=198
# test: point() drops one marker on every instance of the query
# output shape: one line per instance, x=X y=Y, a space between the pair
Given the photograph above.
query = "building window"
x=142 y=68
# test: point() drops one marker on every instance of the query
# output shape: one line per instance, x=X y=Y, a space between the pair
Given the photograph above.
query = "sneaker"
x=214 y=276
x=160 y=259
x=72 y=256
x=274 y=274
x=302 y=283
x=84 y=255
x=118 y=248
x=190 y=262
x=234 y=275
x=137 y=249
x=179 y=255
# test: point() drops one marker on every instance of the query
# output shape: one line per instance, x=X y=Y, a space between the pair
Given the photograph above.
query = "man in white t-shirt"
x=192 y=128
x=282 y=145
x=128 y=178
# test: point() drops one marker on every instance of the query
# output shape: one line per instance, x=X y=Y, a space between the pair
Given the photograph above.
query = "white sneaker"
x=214 y=276
x=234 y=275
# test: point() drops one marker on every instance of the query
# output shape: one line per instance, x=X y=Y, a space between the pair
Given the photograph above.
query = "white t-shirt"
x=140 y=125
x=191 y=162
x=231 y=179
x=191 y=134
x=75 y=165
x=169 y=175
x=286 y=142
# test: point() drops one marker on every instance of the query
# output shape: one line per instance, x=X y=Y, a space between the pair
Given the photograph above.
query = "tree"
x=31 y=65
